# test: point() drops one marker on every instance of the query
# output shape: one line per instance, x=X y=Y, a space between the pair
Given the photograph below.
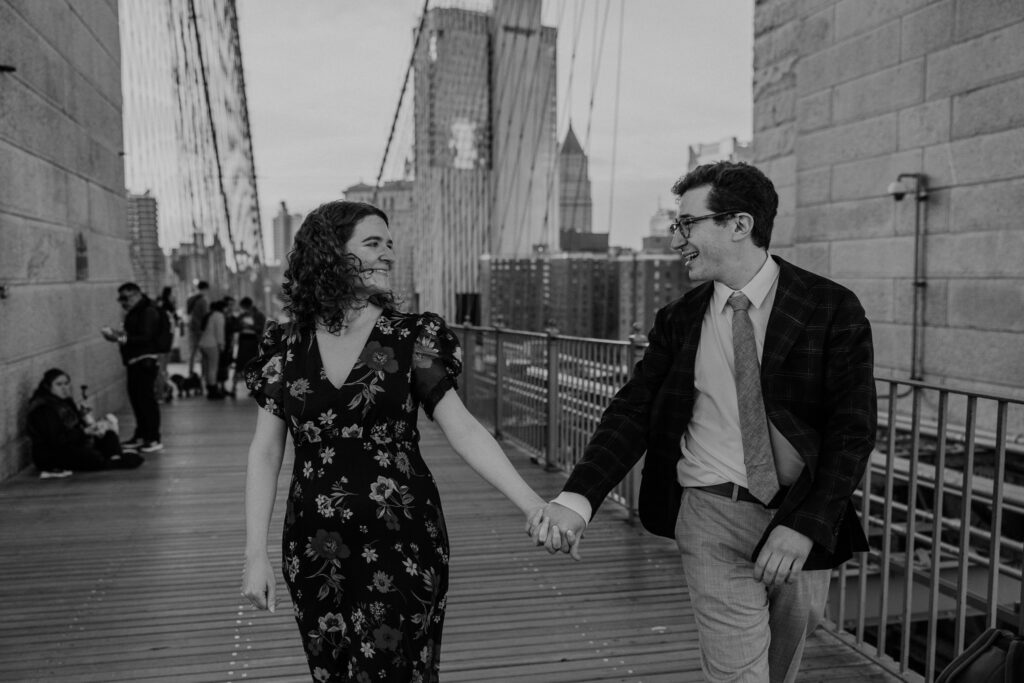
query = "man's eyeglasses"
x=124 y=297
x=684 y=225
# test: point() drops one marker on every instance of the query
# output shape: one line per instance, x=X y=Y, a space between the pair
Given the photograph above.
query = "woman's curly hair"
x=319 y=284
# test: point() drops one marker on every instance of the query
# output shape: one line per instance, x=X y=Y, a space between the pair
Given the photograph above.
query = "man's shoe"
x=133 y=444
x=54 y=474
x=152 y=447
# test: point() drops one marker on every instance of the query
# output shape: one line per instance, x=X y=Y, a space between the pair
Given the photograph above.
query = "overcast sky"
x=323 y=79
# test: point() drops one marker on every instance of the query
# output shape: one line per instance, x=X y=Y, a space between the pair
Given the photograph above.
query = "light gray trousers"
x=749 y=633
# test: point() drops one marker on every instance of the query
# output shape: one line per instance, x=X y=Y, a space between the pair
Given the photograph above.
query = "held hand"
x=559 y=529
x=782 y=556
x=258 y=583
x=109 y=334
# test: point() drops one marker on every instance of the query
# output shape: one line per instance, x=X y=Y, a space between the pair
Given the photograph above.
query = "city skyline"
x=323 y=81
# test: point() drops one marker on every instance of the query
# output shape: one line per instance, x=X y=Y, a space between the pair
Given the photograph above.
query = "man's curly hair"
x=320 y=282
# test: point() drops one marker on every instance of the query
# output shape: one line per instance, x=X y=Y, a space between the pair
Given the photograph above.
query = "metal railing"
x=944 y=516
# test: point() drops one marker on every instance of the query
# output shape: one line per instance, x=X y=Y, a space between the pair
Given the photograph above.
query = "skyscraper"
x=484 y=107
x=148 y=261
x=574 y=203
x=285 y=226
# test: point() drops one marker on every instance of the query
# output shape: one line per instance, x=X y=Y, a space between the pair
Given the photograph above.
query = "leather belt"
x=737 y=492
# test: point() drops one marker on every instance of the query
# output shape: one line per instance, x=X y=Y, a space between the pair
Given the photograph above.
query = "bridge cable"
x=615 y=120
x=401 y=96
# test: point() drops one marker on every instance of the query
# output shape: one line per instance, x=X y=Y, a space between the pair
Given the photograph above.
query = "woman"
x=365 y=546
x=211 y=346
x=62 y=439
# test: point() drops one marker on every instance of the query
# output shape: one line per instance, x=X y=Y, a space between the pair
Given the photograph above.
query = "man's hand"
x=782 y=556
x=558 y=528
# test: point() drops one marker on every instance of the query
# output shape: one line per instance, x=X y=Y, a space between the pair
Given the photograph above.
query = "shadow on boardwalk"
x=134 y=576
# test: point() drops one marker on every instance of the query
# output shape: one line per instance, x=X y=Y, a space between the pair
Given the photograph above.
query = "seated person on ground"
x=63 y=440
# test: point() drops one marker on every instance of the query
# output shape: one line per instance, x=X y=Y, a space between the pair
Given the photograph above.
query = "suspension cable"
x=401 y=96
x=213 y=131
x=615 y=122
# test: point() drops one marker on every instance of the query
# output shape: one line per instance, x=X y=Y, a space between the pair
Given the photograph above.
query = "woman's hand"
x=258 y=583
x=534 y=516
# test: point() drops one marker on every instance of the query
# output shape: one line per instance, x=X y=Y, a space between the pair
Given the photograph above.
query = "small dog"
x=187 y=386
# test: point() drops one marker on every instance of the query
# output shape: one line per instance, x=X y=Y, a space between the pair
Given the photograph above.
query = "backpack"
x=190 y=303
x=997 y=655
x=164 y=331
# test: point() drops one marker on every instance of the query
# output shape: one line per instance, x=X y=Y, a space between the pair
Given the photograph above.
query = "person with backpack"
x=138 y=341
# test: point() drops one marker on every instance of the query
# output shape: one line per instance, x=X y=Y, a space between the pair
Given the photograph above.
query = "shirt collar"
x=756 y=290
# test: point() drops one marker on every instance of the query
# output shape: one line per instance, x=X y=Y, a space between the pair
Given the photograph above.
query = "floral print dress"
x=365 y=547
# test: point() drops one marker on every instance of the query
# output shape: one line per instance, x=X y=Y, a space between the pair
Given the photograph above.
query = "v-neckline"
x=345 y=379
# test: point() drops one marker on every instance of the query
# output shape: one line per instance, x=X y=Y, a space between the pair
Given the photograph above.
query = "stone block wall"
x=63 y=236
x=848 y=94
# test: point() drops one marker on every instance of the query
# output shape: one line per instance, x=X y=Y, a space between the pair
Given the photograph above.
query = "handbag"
x=996 y=656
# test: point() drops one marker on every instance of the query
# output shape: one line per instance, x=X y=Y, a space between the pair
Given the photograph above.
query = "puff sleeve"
x=264 y=374
x=437 y=361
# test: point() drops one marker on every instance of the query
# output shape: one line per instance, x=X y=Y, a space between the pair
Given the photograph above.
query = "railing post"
x=499 y=378
x=552 y=450
x=637 y=346
x=468 y=361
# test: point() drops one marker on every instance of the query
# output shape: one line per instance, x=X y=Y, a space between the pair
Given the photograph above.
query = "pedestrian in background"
x=138 y=343
x=251 y=322
x=197 y=306
x=211 y=346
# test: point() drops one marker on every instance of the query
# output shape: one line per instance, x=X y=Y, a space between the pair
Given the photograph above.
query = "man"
x=755 y=402
x=197 y=306
x=251 y=322
x=138 y=342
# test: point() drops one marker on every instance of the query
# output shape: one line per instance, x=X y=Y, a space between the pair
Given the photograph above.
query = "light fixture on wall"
x=898 y=189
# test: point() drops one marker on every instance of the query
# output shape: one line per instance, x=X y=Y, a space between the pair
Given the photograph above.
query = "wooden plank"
x=134 y=576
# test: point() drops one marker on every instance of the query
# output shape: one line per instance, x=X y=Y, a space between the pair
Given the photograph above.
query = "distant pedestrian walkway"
x=134 y=575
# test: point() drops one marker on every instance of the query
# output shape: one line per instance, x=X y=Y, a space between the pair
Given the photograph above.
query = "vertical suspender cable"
x=213 y=130
x=615 y=122
x=246 y=131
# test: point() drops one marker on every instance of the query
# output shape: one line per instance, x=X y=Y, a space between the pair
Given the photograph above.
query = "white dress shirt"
x=712 y=445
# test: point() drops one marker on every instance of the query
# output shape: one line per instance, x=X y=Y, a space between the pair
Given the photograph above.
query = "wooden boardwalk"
x=134 y=576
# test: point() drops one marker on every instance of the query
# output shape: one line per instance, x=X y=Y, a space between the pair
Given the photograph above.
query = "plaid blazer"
x=817 y=377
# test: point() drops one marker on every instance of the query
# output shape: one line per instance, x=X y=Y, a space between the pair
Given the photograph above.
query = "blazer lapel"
x=790 y=312
x=689 y=327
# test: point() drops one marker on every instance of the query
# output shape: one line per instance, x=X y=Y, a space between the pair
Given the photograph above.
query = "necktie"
x=762 y=481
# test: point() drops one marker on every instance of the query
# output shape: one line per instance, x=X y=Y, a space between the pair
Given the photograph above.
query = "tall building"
x=395 y=198
x=516 y=291
x=524 y=144
x=575 y=206
x=149 y=264
x=65 y=241
x=726 y=149
x=659 y=239
x=584 y=295
x=285 y=225
x=186 y=125
x=484 y=109
x=647 y=282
